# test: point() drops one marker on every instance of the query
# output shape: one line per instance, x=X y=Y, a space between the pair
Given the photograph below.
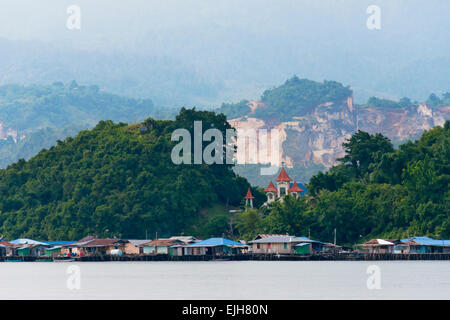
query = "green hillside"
x=376 y=192
x=118 y=180
x=293 y=98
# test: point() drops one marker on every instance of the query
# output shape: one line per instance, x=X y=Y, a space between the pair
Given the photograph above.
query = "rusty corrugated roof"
x=101 y=243
x=162 y=242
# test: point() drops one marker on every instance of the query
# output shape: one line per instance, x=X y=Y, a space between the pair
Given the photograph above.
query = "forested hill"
x=375 y=192
x=24 y=108
x=295 y=97
x=116 y=180
x=379 y=191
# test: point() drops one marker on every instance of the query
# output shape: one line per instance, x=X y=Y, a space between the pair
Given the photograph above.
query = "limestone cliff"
x=317 y=136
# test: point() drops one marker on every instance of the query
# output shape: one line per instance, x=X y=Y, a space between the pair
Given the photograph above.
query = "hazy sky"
x=125 y=22
x=227 y=40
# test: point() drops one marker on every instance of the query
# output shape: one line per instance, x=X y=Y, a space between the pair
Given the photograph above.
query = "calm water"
x=226 y=280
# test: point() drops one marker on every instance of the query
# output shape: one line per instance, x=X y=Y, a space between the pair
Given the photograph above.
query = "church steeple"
x=283 y=182
x=295 y=189
x=249 y=199
x=270 y=192
x=283 y=176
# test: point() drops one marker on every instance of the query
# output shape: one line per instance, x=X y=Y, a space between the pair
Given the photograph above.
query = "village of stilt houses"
x=190 y=248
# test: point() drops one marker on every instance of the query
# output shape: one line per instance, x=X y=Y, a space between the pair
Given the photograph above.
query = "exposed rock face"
x=7 y=132
x=318 y=136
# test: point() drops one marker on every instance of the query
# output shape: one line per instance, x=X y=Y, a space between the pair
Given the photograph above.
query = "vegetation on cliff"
x=235 y=110
x=298 y=96
x=293 y=98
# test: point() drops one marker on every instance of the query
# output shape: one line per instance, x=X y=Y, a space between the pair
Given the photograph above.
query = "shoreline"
x=243 y=257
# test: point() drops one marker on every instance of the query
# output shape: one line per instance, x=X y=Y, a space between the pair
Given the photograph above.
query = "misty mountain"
x=36 y=116
x=170 y=81
x=204 y=53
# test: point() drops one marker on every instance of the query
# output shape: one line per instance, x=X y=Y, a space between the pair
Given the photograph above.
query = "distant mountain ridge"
x=33 y=117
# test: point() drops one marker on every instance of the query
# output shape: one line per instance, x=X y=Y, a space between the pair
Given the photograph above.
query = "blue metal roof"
x=305 y=239
x=283 y=239
x=31 y=241
x=301 y=185
x=26 y=241
x=213 y=242
x=61 y=242
x=426 y=241
x=302 y=244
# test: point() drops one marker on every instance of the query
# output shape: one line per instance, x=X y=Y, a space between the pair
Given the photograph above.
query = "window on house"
x=282 y=191
x=285 y=245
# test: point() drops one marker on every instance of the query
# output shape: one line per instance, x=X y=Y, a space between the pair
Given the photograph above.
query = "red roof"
x=249 y=195
x=270 y=188
x=283 y=176
x=295 y=188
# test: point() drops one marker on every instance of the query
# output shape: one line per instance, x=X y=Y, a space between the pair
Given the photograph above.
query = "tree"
x=420 y=178
x=288 y=217
x=362 y=149
x=433 y=100
x=249 y=224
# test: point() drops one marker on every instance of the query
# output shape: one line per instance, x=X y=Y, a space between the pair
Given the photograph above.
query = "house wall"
x=162 y=250
x=417 y=249
x=149 y=249
x=270 y=197
x=7 y=251
x=130 y=248
x=378 y=249
x=74 y=250
x=399 y=249
x=176 y=251
x=38 y=251
x=23 y=252
x=156 y=250
x=286 y=247
x=305 y=249
x=119 y=247
x=282 y=184
x=52 y=253
x=194 y=251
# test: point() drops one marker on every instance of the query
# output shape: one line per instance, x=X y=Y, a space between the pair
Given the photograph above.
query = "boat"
x=223 y=259
x=63 y=259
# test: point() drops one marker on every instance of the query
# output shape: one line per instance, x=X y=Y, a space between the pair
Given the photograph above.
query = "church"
x=284 y=187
